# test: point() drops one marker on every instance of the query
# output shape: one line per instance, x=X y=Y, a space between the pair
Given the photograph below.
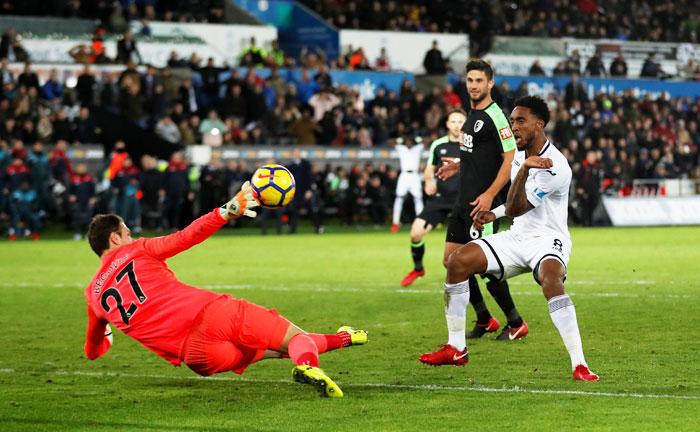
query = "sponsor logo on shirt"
x=467 y=143
x=505 y=133
x=478 y=125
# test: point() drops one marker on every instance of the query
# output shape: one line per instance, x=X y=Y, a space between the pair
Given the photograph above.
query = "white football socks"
x=398 y=206
x=456 y=301
x=563 y=314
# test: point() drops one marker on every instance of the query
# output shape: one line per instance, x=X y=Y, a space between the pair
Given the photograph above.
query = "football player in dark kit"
x=487 y=149
x=442 y=194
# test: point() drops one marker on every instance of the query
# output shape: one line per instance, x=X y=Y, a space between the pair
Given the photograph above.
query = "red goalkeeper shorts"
x=230 y=334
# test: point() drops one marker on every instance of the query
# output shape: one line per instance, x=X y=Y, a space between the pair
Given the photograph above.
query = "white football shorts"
x=509 y=254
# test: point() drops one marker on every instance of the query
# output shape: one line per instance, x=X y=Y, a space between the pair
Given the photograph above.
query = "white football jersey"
x=409 y=157
x=548 y=191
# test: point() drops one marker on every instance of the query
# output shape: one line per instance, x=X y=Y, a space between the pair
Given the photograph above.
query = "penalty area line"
x=418 y=387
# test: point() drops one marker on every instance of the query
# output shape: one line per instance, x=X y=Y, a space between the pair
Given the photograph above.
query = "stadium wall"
x=222 y=42
x=647 y=211
x=405 y=50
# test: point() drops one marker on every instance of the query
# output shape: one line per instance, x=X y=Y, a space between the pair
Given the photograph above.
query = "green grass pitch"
x=636 y=291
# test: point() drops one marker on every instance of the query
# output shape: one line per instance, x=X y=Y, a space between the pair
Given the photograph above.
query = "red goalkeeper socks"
x=303 y=350
x=330 y=342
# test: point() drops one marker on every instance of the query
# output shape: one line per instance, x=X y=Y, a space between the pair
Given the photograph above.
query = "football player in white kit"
x=538 y=240
x=409 y=180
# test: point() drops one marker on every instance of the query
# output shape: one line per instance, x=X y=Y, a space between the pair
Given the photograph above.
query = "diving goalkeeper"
x=135 y=291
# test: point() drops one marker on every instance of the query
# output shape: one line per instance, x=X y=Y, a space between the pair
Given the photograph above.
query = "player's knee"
x=457 y=263
x=552 y=284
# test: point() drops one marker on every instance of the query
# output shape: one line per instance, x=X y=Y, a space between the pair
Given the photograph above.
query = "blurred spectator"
x=253 y=55
x=11 y=47
x=276 y=57
x=536 y=69
x=151 y=181
x=174 y=190
x=382 y=63
x=52 y=90
x=433 y=62
x=168 y=130
x=306 y=196
x=24 y=208
x=574 y=91
x=40 y=174
x=322 y=102
x=85 y=87
x=212 y=129
x=306 y=87
x=81 y=200
x=595 y=66
x=28 y=78
x=618 y=67
x=213 y=187
x=126 y=188
x=651 y=68
x=304 y=129
x=127 y=50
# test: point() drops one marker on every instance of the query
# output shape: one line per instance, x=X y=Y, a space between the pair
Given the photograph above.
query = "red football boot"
x=512 y=333
x=481 y=329
x=582 y=373
x=36 y=236
x=447 y=355
x=12 y=237
x=394 y=228
x=411 y=277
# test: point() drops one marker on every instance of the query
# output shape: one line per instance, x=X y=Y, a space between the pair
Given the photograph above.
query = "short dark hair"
x=537 y=106
x=455 y=111
x=480 y=65
x=101 y=226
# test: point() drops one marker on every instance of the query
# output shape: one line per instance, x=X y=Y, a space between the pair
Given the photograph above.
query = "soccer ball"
x=273 y=186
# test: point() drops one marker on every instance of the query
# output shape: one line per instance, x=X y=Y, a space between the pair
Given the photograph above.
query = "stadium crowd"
x=609 y=139
x=117 y=15
x=659 y=21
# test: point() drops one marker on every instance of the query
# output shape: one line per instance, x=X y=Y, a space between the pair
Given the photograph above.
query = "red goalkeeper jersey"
x=135 y=291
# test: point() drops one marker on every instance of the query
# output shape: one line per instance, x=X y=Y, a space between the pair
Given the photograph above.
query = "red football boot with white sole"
x=447 y=355
x=512 y=333
x=582 y=373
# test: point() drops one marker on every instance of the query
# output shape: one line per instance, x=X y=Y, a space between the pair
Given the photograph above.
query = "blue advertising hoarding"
x=297 y=27
x=544 y=86
x=366 y=82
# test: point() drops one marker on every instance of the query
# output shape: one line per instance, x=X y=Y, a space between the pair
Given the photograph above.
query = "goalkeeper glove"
x=240 y=205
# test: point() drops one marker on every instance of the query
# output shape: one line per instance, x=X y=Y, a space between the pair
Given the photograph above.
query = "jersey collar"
x=544 y=148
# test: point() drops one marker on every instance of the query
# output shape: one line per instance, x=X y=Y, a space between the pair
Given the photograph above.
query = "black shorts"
x=459 y=225
x=435 y=212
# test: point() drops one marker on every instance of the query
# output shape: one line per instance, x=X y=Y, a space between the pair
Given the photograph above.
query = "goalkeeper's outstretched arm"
x=204 y=227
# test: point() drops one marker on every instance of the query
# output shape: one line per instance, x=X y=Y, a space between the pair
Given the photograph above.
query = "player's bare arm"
x=484 y=201
x=482 y=218
x=449 y=168
x=517 y=203
x=429 y=177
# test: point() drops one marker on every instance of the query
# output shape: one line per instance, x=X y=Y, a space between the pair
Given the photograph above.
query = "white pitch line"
x=388 y=288
x=422 y=387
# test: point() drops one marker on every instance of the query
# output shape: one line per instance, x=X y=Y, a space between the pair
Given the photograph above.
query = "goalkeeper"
x=135 y=291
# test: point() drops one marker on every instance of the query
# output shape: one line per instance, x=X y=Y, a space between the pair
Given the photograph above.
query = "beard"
x=478 y=99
